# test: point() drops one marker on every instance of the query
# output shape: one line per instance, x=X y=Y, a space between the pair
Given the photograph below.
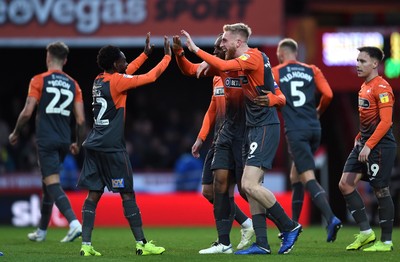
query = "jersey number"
x=297 y=93
x=98 y=120
x=52 y=107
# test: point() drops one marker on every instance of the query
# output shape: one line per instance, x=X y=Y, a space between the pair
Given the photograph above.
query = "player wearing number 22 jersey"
x=106 y=162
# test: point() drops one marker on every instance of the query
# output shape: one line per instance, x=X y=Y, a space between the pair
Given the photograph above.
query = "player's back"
x=297 y=83
x=57 y=93
x=107 y=133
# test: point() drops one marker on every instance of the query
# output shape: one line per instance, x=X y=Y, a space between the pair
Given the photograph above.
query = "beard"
x=230 y=53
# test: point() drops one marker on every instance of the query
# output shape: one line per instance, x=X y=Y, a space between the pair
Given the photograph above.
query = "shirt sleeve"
x=78 y=93
x=218 y=63
x=135 y=64
x=385 y=115
x=126 y=82
x=35 y=87
x=187 y=68
x=324 y=88
x=208 y=120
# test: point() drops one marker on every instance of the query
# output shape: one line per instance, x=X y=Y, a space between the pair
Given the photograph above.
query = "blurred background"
x=163 y=118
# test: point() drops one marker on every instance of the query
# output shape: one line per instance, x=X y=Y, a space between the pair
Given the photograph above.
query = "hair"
x=373 y=52
x=239 y=28
x=107 y=56
x=288 y=43
x=58 y=50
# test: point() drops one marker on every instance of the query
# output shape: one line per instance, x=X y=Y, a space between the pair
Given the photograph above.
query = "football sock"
x=88 y=216
x=386 y=217
x=247 y=223
x=223 y=215
x=240 y=217
x=318 y=196
x=61 y=201
x=270 y=217
x=132 y=214
x=297 y=200
x=279 y=214
x=46 y=209
x=356 y=207
x=260 y=229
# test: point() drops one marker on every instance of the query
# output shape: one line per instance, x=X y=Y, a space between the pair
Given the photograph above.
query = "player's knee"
x=344 y=187
x=208 y=195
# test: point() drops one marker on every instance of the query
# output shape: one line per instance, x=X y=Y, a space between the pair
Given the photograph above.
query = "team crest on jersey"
x=384 y=97
x=244 y=57
x=118 y=183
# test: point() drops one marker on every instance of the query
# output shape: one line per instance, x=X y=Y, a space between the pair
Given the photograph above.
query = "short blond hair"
x=240 y=29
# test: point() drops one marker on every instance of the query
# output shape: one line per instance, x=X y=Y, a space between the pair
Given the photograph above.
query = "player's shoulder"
x=251 y=53
x=380 y=84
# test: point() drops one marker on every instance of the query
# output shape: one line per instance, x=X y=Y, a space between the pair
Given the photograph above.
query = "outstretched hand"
x=148 y=49
x=189 y=42
x=167 y=46
x=176 y=44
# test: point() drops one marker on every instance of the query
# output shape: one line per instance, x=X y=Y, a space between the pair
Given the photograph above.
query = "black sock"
x=356 y=207
x=297 y=200
x=88 y=216
x=386 y=217
x=61 y=200
x=318 y=196
x=132 y=214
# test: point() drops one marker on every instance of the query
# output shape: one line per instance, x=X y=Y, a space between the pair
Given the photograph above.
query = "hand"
x=148 y=49
x=176 y=44
x=167 y=46
x=203 y=68
x=357 y=142
x=262 y=100
x=196 y=148
x=363 y=156
x=74 y=148
x=189 y=42
x=13 y=138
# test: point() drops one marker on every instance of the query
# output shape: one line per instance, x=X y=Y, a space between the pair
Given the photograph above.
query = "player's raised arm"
x=138 y=62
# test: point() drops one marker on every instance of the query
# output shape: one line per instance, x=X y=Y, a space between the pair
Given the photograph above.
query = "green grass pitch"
x=183 y=244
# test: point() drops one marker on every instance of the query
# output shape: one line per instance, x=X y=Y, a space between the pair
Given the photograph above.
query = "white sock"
x=388 y=242
x=87 y=243
x=248 y=223
x=41 y=232
x=74 y=223
x=366 y=232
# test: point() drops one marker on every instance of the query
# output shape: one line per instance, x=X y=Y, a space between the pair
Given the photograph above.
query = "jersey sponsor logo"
x=244 y=57
x=118 y=183
x=384 y=98
x=219 y=91
x=233 y=82
x=362 y=102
